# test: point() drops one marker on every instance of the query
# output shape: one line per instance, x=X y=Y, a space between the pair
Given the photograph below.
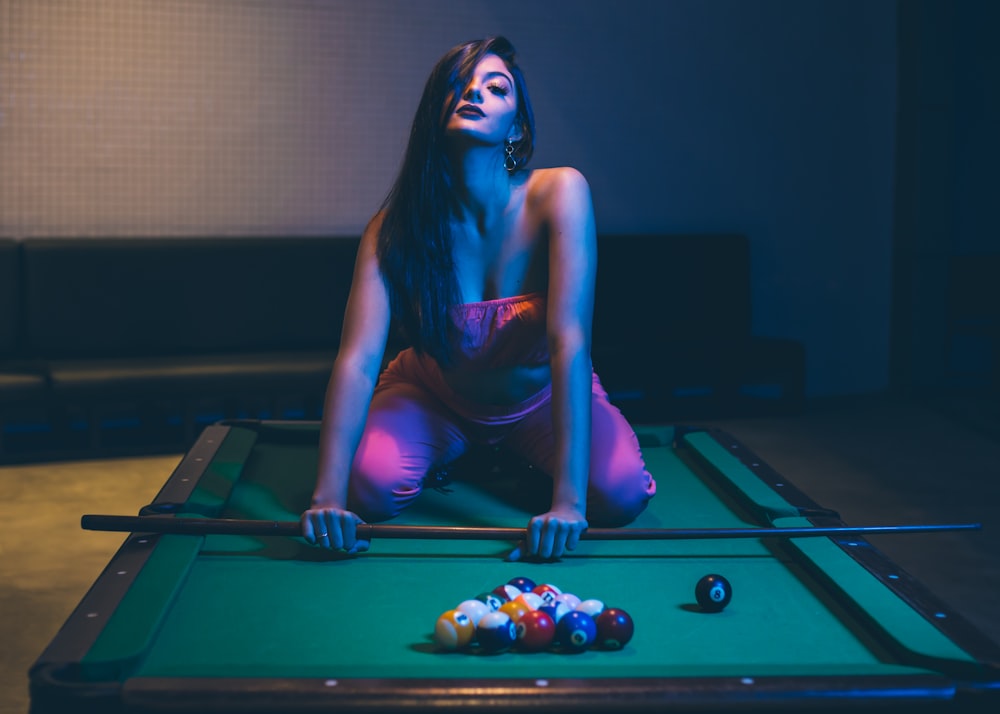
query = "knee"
x=381 y=486
x=620 y=486
x=372 y=502
x=617 y=501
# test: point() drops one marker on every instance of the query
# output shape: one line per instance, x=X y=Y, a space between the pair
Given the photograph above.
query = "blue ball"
x=576 y=630
x=556 y=610
x=525 y=585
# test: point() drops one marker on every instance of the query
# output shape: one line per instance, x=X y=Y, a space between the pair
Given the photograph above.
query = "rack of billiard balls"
x=523 y=616
x=527 y=617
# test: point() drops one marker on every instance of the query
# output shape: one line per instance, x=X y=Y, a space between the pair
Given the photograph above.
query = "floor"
x=876 y=460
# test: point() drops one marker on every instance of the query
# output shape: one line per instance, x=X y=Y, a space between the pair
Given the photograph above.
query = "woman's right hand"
x=333 y=528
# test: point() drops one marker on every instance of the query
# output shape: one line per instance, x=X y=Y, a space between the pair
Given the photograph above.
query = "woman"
x=488 y=269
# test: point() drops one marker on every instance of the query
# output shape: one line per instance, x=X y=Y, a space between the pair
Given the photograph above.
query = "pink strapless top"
x=505 y=332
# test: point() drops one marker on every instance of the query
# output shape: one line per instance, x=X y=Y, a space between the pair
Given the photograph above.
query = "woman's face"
x=488 y=106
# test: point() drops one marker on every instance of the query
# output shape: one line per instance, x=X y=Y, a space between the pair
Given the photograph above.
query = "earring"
x=509 y=161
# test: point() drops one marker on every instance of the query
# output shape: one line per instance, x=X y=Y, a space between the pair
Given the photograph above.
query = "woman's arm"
x=572 y=271
x=348 y=395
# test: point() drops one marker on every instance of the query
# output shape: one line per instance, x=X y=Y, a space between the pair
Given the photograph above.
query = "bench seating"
x=111 y=345
x=672 y=331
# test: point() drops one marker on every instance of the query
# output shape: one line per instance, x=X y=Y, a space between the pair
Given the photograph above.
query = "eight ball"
x=713 y=593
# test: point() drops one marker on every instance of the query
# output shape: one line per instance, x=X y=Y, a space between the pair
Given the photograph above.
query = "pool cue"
x=366 y=531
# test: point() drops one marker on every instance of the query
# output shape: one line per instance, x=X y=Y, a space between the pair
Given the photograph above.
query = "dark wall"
x=946 y=296
x=774 y=119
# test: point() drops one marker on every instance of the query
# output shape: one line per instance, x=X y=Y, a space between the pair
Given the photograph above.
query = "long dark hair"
x=415 y=242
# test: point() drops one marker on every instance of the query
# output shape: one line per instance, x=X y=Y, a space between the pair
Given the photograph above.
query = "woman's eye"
x=497 y=88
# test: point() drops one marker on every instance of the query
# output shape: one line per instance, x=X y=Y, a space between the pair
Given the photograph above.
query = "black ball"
x=713 y=593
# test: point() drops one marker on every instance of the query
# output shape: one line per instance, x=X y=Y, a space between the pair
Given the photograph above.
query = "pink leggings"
x=411 y=432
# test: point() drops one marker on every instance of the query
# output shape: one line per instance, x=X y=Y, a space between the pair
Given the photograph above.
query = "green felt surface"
x=276 y=607
x=374 y=617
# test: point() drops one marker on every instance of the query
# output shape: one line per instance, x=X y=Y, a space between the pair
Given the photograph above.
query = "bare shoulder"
x=559 y=183
x=370 y=236
x=557 y=193
x=374 y=226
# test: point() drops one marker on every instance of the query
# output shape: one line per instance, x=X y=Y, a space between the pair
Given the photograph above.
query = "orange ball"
x=532 y=600
x=515 y=609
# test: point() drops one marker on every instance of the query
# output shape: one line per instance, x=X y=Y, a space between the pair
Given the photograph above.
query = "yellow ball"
x=454 y=630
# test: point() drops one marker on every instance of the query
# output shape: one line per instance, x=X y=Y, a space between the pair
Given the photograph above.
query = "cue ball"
x=453 y=630
x=496 y=632
x=713 y=593
x=614 y=628
x=576 y=631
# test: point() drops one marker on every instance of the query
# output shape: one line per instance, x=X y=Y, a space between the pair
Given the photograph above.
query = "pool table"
x=236 y=623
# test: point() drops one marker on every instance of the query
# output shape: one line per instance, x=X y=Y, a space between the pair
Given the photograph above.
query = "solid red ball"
x=535 y=631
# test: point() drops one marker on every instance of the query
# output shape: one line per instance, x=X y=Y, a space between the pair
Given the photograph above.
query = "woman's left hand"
x=551 y=534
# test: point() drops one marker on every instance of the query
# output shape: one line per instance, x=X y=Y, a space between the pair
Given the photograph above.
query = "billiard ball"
x=491 y=601
x=453 y=630
x=532 y=600
x=556 y=610
x=576 y=631
x=522 y=583
x=614 y=628
x=570 y=599
x=475 y=609
x=496 y=632
x=546 y=591
x=591 y=606
x=507 y=592
x=515 y=610
x=713 y=593
x=535 y=631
